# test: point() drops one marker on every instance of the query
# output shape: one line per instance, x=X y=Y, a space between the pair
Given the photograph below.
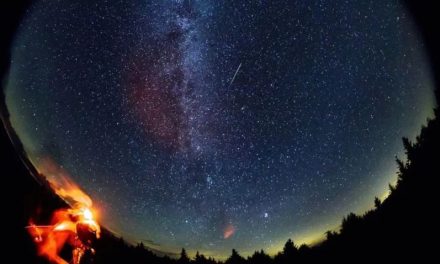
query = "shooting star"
x=235 y=75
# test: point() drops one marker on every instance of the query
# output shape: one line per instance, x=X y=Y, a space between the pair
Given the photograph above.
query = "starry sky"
x=214 y=125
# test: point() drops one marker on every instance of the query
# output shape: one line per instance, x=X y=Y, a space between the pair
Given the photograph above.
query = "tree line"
x=397 y=228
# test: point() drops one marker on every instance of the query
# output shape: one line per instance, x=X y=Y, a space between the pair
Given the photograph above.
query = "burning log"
x=75 y=226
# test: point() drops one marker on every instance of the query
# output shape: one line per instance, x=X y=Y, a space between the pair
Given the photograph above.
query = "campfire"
x=75 y=226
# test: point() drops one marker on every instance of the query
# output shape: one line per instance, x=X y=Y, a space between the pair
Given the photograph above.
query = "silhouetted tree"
x=377 y=202
x=391 y=188
x=259 y=257
x=289 y=253
x=409 y=148
x=290 y=250
x=200 y=259
x=350 y=221
x=330 y=234
x=184 y=259
x=235 y=258
x=303 y=249
x=211 y=260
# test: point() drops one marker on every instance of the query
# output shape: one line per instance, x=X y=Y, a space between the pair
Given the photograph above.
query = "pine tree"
x=183 y=257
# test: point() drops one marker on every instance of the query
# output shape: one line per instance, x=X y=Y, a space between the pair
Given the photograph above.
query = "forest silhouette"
x=397 y=228
x=403 y=227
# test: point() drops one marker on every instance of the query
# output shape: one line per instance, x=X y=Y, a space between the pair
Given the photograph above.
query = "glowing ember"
x=75 y=226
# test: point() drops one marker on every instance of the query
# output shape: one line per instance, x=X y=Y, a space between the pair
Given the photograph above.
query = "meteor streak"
x=235 y=74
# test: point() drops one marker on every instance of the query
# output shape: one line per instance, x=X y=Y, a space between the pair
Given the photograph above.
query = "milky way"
x=214 y=125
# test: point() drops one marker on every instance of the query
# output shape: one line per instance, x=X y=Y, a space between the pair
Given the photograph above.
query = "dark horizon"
x=384 y=223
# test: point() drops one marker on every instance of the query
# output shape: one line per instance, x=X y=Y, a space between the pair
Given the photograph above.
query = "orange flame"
x=62 y=184
x=76 y=226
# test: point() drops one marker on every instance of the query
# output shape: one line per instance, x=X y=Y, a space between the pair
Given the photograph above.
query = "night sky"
x=214 y=125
